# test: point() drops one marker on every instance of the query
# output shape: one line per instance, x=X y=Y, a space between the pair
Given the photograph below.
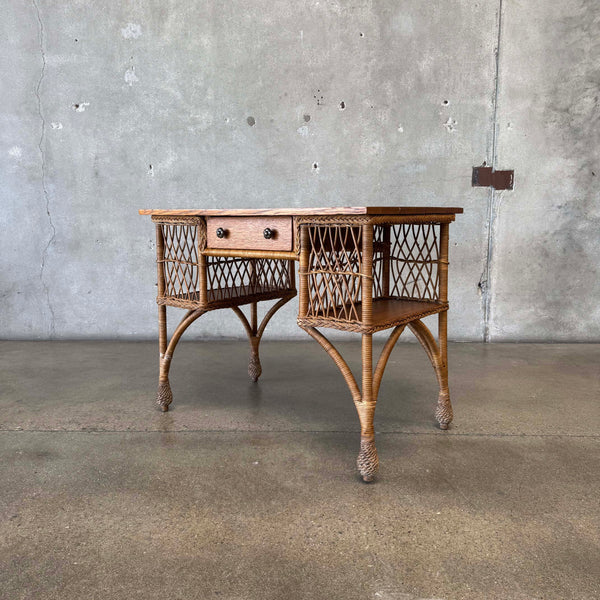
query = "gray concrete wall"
x=108 y=107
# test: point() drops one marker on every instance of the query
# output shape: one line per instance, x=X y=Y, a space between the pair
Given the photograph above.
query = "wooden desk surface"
x=342 y=210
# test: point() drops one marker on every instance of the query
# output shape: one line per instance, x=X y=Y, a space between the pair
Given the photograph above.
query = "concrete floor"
x=247 y=491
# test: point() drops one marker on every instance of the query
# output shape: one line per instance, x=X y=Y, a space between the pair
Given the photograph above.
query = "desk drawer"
x=250 y=233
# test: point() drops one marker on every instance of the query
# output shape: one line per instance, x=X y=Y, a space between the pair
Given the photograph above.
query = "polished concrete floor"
x=249 y=491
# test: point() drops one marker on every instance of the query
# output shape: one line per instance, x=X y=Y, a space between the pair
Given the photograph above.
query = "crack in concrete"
x=43 y=159
x=492 y=205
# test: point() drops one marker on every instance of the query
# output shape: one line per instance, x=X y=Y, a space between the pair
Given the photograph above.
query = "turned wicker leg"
x=254 y=366
x=438 y=357
x=164 y=396
x=367 y=461
x=443 y=411
x=255 y=332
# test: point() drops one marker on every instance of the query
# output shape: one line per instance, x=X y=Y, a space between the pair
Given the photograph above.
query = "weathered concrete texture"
x=113 y=106
x=176 y=104
x=545 y=270
x=268 y=505
x=24 y=223
x=503 y=388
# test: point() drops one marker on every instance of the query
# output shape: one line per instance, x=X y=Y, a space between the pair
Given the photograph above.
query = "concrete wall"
x=108 y=107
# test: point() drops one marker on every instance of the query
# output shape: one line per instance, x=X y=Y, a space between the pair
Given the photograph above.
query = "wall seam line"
x=491 y=212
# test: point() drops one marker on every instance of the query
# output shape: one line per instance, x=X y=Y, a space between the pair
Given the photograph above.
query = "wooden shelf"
x=387 y=312
x=237 y=295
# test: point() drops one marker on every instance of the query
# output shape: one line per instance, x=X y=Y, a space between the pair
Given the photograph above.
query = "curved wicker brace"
x=384 y=356
x=255 y=333
x=165 y=395
x=338 y=360
x=443 y=411
x=365 y=402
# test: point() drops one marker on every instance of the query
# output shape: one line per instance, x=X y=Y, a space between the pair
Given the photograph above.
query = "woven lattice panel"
x=333 y=274
x=180 y=262
x=413 y=261
x=230 y=278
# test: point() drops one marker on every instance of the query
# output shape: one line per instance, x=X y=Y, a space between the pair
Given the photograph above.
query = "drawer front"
x=248 y=233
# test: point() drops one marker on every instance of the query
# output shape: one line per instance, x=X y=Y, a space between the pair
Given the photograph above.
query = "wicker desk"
x=361 y=269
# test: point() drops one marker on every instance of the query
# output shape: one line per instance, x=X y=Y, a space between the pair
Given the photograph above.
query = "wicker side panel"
x=180 y=260
x=333 y=280
x=406 y=261
x=231 y=278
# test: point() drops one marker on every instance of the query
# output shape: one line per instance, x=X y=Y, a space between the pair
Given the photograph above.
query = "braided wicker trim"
x=330 y=221
x=367 y=461
x=443 y=412
x=254 y=367
x=355 y=220
x=226 y=303
x=358 y=327
x=178 y=220
x=164 y=397
x=410 y=219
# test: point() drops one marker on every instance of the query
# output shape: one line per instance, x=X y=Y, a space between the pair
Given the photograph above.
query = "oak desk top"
x=343 y=210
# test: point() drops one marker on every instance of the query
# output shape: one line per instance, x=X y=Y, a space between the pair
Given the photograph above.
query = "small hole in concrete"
x=315 y=165
x=361 y=34
x=342 y=105
x=306 y=118
x=76 y=40
x=251 y=121
x=445 y=102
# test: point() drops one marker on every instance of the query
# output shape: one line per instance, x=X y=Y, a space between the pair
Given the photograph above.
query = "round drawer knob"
x=221 y=233
x=269 y=234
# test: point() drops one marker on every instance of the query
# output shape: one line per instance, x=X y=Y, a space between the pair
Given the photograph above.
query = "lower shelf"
x=227 y=297
x=386 y=313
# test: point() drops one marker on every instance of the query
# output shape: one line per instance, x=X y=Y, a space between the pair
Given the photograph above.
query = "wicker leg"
x=367 y=461
x=164 y=396
x=443 y=412
x=254 y=366
x=255 y=332
x=438 y=357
